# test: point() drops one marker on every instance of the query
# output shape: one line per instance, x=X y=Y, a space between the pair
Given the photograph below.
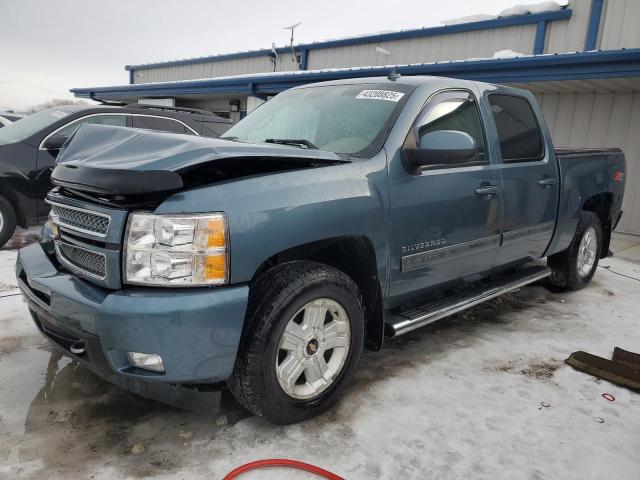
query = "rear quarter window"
x=518 y=129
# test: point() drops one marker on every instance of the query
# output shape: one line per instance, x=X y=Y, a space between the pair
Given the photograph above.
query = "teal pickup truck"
x=333 y=216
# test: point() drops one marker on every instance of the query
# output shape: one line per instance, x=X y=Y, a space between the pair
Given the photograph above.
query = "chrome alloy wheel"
x=1 y=221
x=587 y=252
x=313 y=348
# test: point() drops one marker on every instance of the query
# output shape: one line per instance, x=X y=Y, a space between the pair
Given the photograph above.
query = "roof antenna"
x=292 y=28
x=393 y=75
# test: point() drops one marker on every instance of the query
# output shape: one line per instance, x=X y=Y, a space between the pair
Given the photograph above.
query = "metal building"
x=581 y=61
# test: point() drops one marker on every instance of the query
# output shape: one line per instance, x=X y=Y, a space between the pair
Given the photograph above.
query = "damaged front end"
x=138 y=168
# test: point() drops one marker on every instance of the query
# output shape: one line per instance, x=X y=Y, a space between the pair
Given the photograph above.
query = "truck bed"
x=587 y=173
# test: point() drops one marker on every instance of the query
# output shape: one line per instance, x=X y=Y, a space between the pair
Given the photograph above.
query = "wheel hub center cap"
x=312 y=347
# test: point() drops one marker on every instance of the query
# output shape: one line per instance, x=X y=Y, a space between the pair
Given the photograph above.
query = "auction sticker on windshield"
x=387 y=95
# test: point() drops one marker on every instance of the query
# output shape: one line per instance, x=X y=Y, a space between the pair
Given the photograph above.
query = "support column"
x=541 y=32
x=593 y=27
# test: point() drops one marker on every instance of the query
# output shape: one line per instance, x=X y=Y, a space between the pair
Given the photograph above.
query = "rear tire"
x=302 y=342
x=574 y=268
x=7 y=221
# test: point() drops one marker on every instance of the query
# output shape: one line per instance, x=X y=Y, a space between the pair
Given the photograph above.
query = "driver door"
x=445 y=218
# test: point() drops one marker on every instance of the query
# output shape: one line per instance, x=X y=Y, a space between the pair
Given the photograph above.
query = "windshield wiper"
x=292 y=141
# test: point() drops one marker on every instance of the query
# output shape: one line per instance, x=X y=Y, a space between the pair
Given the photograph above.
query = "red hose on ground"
x=281 y=462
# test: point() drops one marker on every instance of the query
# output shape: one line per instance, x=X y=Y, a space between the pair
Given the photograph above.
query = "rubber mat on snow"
x=605 y=369
x=628 y=359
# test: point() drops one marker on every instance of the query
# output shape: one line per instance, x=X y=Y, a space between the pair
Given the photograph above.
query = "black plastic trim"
x=115 y=181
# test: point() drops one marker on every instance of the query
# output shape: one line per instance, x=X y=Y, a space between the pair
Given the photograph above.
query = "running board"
x=408 y=318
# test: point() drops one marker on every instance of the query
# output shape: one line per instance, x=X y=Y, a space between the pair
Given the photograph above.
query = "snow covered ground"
x=483 y=395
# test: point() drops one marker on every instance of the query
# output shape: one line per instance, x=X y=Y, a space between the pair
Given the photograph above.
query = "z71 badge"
x=416 y=247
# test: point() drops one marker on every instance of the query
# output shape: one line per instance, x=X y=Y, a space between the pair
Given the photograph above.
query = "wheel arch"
x=8 y=194
x=600 y=205
x=355 y=256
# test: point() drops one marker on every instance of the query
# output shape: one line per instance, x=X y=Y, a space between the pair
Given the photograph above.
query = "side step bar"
x=408 y=318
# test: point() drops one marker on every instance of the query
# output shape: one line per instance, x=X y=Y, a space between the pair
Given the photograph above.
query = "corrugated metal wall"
x=619 y=25
x=457 y=46
x=569 y=36
x=601 y=120
x=222 y=68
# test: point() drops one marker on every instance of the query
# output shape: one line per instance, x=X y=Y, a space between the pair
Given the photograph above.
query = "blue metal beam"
x=563 y=14
x=541 y=32
x=594 y=25
x=557 y=67
x=569 y=66
x=304 y=60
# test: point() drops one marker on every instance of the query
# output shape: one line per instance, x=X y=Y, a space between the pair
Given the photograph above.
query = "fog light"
x=147 y=361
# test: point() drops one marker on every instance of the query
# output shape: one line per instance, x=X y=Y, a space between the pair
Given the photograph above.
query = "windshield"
x=346 y=119
x=27 y=126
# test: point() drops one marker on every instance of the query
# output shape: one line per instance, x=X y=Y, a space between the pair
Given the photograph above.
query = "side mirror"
x=441 y=148
x=55 y=142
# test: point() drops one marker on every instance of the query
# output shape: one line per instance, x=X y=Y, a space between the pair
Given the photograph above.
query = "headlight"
x=176 y=250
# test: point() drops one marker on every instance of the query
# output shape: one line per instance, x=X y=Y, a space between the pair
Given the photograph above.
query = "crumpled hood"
x=118 y=160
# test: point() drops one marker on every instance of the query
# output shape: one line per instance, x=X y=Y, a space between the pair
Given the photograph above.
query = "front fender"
x=272 y=213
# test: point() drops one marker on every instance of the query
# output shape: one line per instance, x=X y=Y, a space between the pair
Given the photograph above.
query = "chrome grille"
x=88 y=261
x=80 y=220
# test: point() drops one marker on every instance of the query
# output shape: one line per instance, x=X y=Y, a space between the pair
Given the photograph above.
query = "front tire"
x=302 y=342
x=574 y=268
x=7 y=221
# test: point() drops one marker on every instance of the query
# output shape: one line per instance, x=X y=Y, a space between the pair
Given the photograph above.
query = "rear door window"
x=116 y=120
x=518 y=129
x=160 y=124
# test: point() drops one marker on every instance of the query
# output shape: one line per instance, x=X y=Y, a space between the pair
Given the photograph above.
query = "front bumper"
x=195 y=331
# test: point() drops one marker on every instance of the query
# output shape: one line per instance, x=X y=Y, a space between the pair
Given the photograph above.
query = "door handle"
x=487 y=191
x=546 y=182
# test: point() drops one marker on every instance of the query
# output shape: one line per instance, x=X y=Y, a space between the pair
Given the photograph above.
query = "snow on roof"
x=531 y=8
x=507 y=54
x=516 y=10
x=468 y=19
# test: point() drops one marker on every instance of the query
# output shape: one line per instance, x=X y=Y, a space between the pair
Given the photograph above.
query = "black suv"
x=28 y=149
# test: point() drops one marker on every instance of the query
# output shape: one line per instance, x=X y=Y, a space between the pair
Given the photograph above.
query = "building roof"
x=528 y=68
x=529 y=18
